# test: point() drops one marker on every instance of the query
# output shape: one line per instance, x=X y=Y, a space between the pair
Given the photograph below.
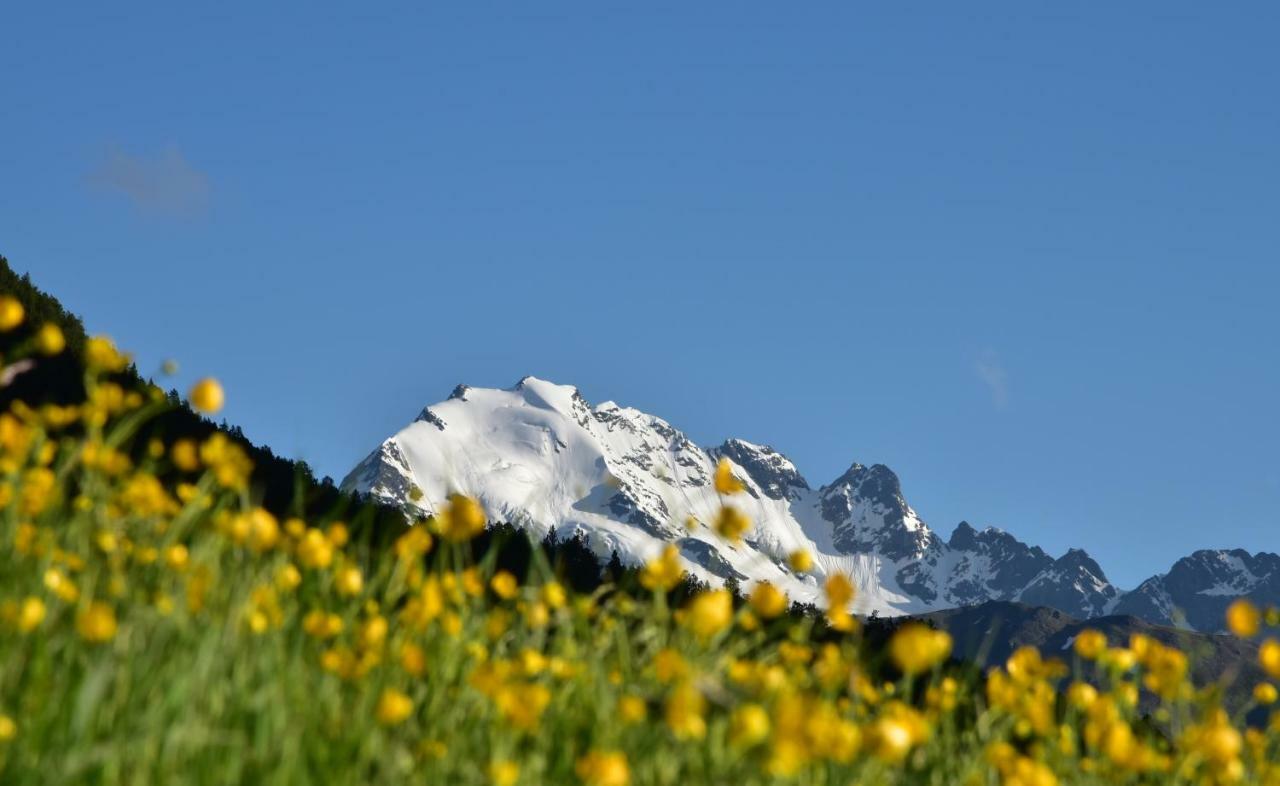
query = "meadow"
x=158 y=625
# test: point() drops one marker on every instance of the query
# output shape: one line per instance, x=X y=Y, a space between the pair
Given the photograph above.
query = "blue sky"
x=1025 y=254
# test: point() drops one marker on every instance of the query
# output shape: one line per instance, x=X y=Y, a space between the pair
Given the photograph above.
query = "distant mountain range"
x=540 y=456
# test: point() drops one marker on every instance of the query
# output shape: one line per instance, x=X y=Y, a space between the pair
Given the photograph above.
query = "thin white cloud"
x=993 y=375
x=163 y=183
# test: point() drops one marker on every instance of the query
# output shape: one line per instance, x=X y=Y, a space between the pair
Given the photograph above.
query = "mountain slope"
x=539 y=455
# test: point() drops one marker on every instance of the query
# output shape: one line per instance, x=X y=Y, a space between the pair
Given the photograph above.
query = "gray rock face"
x=773 y=472
x=1072 y=583
x=1196 y=591
x=994 y=565
x=869 y=514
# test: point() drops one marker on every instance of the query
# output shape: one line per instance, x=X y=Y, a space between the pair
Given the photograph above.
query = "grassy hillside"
x=169 y=615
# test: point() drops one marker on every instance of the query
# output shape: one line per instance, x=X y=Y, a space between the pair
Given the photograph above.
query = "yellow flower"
x=264 y=532
x=709 y=613
x=631 y=709
x=553 y=594
x=767 y=600
x=30 y=614
x=315 y=550
x=460 y=519
x=732 y=524
x=349 y=581
x=684 y=712
x=504 y=773
x=393 y=707
x=59 y=584
x=662 y=573
x=839 y=591
x=185 y=455
x=49 y=339
x=748 y=725
x=1269 y=657
x=176 y=556
x=413 y=659
x=96 y=623
x=1090 y=643
x=100 y=354
x=801 y=561
x=1265 y=693
x=207 y=396
x=11 y=313
x=1243 y=618
x=8 y=729
x=726 y=483
x=603 y=768
x=504 y=585
x=916 y=648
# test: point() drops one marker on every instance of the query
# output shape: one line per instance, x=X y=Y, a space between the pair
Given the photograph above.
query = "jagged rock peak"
x=773 y=472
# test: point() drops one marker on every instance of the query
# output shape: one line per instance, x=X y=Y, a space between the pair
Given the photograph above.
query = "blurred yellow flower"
x=49 y=339
x=30 y=614
x=96 y=623
x=11 y=313
x=207 y=396
x=504 y=585
x=767 y=600
x=1243 y=618
x=800 y=560
x=393 y=707
x=709 y=613
x=504 y=773
x=749 y=725
x=603 y=768
x=916 y=648
x=8 y=729
x=1269 y=657
x=662 y=573
x=1090 y=643
x=725 y=481
x=732 y=524
x=348 y=581
x=460 y=519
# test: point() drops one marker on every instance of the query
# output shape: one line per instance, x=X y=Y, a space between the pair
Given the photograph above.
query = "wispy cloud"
x=992 y=373
x=162 y=183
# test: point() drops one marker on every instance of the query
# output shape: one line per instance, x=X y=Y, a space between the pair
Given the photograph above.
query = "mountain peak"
x=773 y=472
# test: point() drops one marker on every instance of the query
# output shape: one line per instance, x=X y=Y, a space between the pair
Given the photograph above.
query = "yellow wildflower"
x=732 y=524
x=315 y=550
x=11 y=313
x=767 y=600
x=206 y=396
x=603 y=768
x=1269 y=657
x=1090 y=643
x=709 y=613
x=96 y=623
x=1243 y=618
x=800 y=560
x=394 y=707
x=49 y=339
x=30 y=614
x=504 y=585
x=725 y=481
x=749 y=725
x=8 y=729
x=504 y=773
x=916 y=648
x=662 y=573
x=348 y=581
x=460 y=519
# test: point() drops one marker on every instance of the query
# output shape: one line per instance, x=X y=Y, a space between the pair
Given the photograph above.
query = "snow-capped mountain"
x=540 y=456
